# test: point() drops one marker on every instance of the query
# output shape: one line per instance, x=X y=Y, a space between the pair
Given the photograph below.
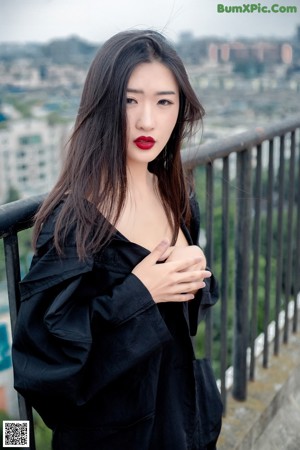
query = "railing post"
x=242 y=252
x=209 y=251
x=297 y=254
x=11 y=250
x=224 y=278
x=268 y=256
x=279 y=244
x=256 y=251
x=289 y=249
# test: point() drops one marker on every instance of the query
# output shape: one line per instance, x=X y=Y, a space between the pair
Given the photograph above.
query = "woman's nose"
x=146 y=119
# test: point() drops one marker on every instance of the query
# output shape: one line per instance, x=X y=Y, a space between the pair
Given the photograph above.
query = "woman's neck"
x=140 y=180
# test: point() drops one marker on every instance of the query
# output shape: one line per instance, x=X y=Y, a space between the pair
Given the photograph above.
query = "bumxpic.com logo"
x=247 y=8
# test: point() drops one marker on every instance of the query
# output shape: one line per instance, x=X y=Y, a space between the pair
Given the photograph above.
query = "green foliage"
x=55 y=118
x=200 y=186
x=3 y=416
x=262 y=295
x=43 y=435
x=25 y=253
x=13 y=194
x=22 y=102
x=23 y=106
x=25 y=250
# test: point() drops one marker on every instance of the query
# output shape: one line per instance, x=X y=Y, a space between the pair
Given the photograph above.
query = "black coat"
x=105 y=366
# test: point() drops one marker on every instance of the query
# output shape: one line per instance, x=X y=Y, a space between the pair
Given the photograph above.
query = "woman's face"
x=152 y=111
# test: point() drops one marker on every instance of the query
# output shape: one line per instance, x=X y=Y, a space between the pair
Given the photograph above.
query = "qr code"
x=15 y=433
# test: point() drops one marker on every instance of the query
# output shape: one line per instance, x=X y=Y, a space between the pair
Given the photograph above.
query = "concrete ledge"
x=273 y=399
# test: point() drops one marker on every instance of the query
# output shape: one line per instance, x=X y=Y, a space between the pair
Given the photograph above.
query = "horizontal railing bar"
x=205 y=153
x=18 y=215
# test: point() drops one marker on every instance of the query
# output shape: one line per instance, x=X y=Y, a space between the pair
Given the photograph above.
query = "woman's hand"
x=174 y=280
x=178 y=253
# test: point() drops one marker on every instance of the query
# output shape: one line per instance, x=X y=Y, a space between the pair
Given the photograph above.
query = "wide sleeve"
x=124 y=323
x=208 y=296
x=74 y=338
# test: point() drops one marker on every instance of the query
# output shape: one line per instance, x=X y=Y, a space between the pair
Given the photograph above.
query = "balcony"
x=249 y=192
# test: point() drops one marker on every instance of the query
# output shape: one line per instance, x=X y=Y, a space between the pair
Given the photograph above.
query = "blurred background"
x=244 y=66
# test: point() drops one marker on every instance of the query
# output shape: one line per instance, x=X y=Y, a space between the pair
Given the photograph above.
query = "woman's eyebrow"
x=140 y=91
x=166 y=93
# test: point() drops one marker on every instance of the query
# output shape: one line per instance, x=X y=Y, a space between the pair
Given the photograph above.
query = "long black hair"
x=95 y=166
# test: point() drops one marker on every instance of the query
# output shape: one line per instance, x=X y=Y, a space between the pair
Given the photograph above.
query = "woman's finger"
x=157 y=252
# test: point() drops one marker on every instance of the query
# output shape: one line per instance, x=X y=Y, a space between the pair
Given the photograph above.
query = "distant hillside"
x=72 y=50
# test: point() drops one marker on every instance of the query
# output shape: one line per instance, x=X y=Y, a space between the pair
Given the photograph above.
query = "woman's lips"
x=144 y=142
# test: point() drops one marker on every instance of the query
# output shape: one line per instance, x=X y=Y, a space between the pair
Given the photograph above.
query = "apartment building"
x=31 y=154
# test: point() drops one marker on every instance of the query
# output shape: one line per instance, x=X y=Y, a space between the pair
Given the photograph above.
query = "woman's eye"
x=130 y=101
x=164 y=102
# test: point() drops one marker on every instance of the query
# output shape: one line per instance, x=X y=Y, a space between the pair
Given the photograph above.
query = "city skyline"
x=45 y=20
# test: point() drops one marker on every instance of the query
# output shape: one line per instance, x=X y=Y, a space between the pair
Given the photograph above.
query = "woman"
x=102 y=347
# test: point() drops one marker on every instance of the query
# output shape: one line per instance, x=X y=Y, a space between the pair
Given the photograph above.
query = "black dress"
x=104 y=365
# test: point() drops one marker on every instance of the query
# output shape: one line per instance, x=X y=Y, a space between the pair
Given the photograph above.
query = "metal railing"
x=247 y=165
x=15 y=217
x=260 y=171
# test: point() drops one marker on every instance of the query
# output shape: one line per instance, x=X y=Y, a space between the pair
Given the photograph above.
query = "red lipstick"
x=144 y=142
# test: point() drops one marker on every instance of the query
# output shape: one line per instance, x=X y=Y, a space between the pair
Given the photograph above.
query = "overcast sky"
x=96 y=20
